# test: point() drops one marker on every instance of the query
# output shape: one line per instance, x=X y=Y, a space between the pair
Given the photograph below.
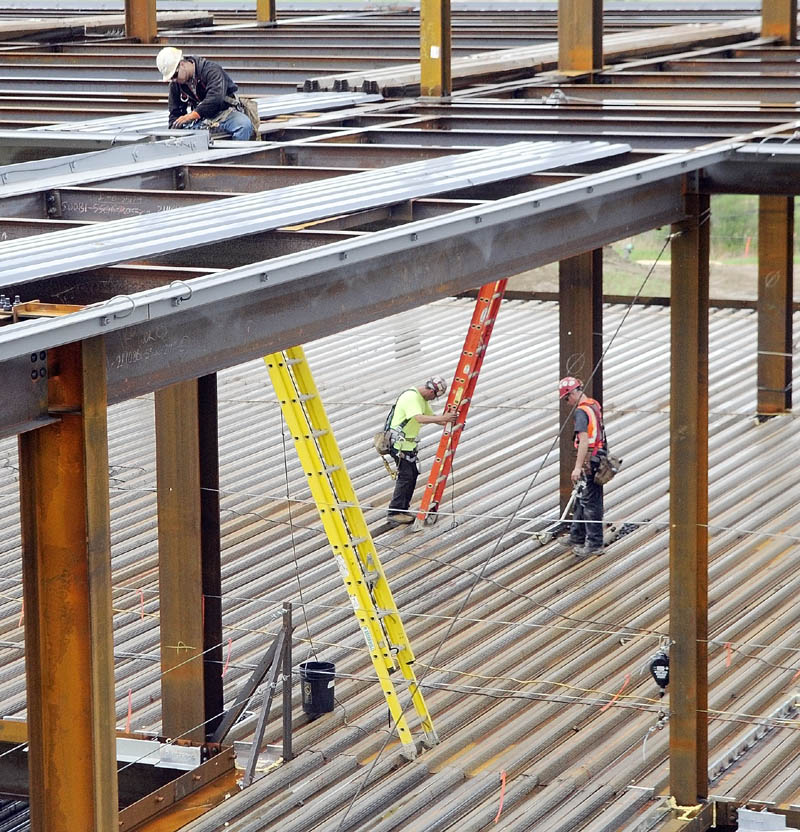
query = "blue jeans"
x=587 y=516
x=238 y=125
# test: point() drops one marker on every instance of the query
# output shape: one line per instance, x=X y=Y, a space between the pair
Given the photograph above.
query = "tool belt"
x=606 y=466
x=245 y=105
x=409 y=456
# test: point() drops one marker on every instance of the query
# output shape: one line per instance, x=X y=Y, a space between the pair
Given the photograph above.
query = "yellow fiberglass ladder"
x=348 y=535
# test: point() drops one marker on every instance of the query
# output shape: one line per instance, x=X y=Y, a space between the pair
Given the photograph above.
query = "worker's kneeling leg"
x=238 y=125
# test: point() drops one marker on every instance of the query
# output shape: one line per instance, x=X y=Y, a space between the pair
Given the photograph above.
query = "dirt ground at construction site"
x=624 y=276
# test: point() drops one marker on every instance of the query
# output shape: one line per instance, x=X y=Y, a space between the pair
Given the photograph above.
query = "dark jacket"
x=212 y=86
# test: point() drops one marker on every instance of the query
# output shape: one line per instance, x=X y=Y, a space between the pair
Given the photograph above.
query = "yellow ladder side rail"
x=326 y=502
x=354 y=516
x=346 y=528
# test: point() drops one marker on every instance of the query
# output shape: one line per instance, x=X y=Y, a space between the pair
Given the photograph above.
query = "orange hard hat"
x=567 y=385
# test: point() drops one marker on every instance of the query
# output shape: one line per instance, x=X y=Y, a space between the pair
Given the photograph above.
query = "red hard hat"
x=567 y=385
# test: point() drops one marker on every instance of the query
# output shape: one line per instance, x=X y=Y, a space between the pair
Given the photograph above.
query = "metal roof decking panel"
x=643 y=195
x=146 y=236
x=268 y=107
x=537 y=615
x=545 y=56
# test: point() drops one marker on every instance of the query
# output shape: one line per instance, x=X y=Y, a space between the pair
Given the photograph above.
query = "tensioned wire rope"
x=627 y=630
x=615 y=701
x=601 y=628
x=578 y=628
x=301 y=601
x=546 y=517
x=636 y=522
x=502 y=693
x=496 y=546
x=725 y=646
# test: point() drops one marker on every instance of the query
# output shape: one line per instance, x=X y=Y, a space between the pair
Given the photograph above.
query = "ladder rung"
x=359 y=564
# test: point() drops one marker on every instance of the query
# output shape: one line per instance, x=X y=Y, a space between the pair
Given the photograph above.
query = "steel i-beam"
x=580 y=35
x=67 y=589
x=779 y=20
x=688 y=505
x=208 y=449
x=180 y=561
x=140 y=21
x=435 y=48
x=266 y=11
x=775 y=282
x=580 y=303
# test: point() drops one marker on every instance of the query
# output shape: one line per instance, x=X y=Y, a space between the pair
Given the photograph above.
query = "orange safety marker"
x=227 y=658
x=460 y=396
x=502 y=795
x=130 y=711
x=617 y=694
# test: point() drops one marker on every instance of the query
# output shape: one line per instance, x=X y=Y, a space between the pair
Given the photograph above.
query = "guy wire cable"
x=313 y=649
x=496 y=546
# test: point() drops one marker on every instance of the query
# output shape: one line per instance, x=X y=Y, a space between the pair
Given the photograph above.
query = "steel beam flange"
x=158 y=302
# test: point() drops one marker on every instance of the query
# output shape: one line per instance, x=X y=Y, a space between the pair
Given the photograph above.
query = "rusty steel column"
x=580 y=305
x=180 y=561
x=140 y=20
x=688 y=505
x=66 y=557
x=208 y=450
x=266 y=11
x=436 y=78
x=580 y=35
x=775 y=289
x=779 y=20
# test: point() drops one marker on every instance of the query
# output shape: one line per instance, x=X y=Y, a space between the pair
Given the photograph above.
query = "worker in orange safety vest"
x=586 y=531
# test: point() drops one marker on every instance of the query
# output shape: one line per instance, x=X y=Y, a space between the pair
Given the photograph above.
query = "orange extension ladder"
x=460 y=396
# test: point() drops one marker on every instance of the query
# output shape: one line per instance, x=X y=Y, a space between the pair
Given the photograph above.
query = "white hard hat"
x=167 y=61
x=437 y=384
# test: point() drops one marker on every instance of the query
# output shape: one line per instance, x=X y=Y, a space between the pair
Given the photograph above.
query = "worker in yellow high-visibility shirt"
x=412 y=409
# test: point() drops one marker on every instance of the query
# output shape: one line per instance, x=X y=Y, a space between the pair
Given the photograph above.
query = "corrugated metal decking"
x=146 y=236
x=577 y=630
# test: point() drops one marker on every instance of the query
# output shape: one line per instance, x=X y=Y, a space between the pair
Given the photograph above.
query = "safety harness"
x=596 y=430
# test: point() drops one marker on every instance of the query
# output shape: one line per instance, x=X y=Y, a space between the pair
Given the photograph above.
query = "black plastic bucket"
x=316 y=685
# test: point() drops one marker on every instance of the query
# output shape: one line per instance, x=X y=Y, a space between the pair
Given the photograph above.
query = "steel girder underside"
x=176 y=312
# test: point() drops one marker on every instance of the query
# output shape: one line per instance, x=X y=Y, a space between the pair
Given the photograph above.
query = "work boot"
x=589 y=549
x=399 y=519
x=568 y=543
